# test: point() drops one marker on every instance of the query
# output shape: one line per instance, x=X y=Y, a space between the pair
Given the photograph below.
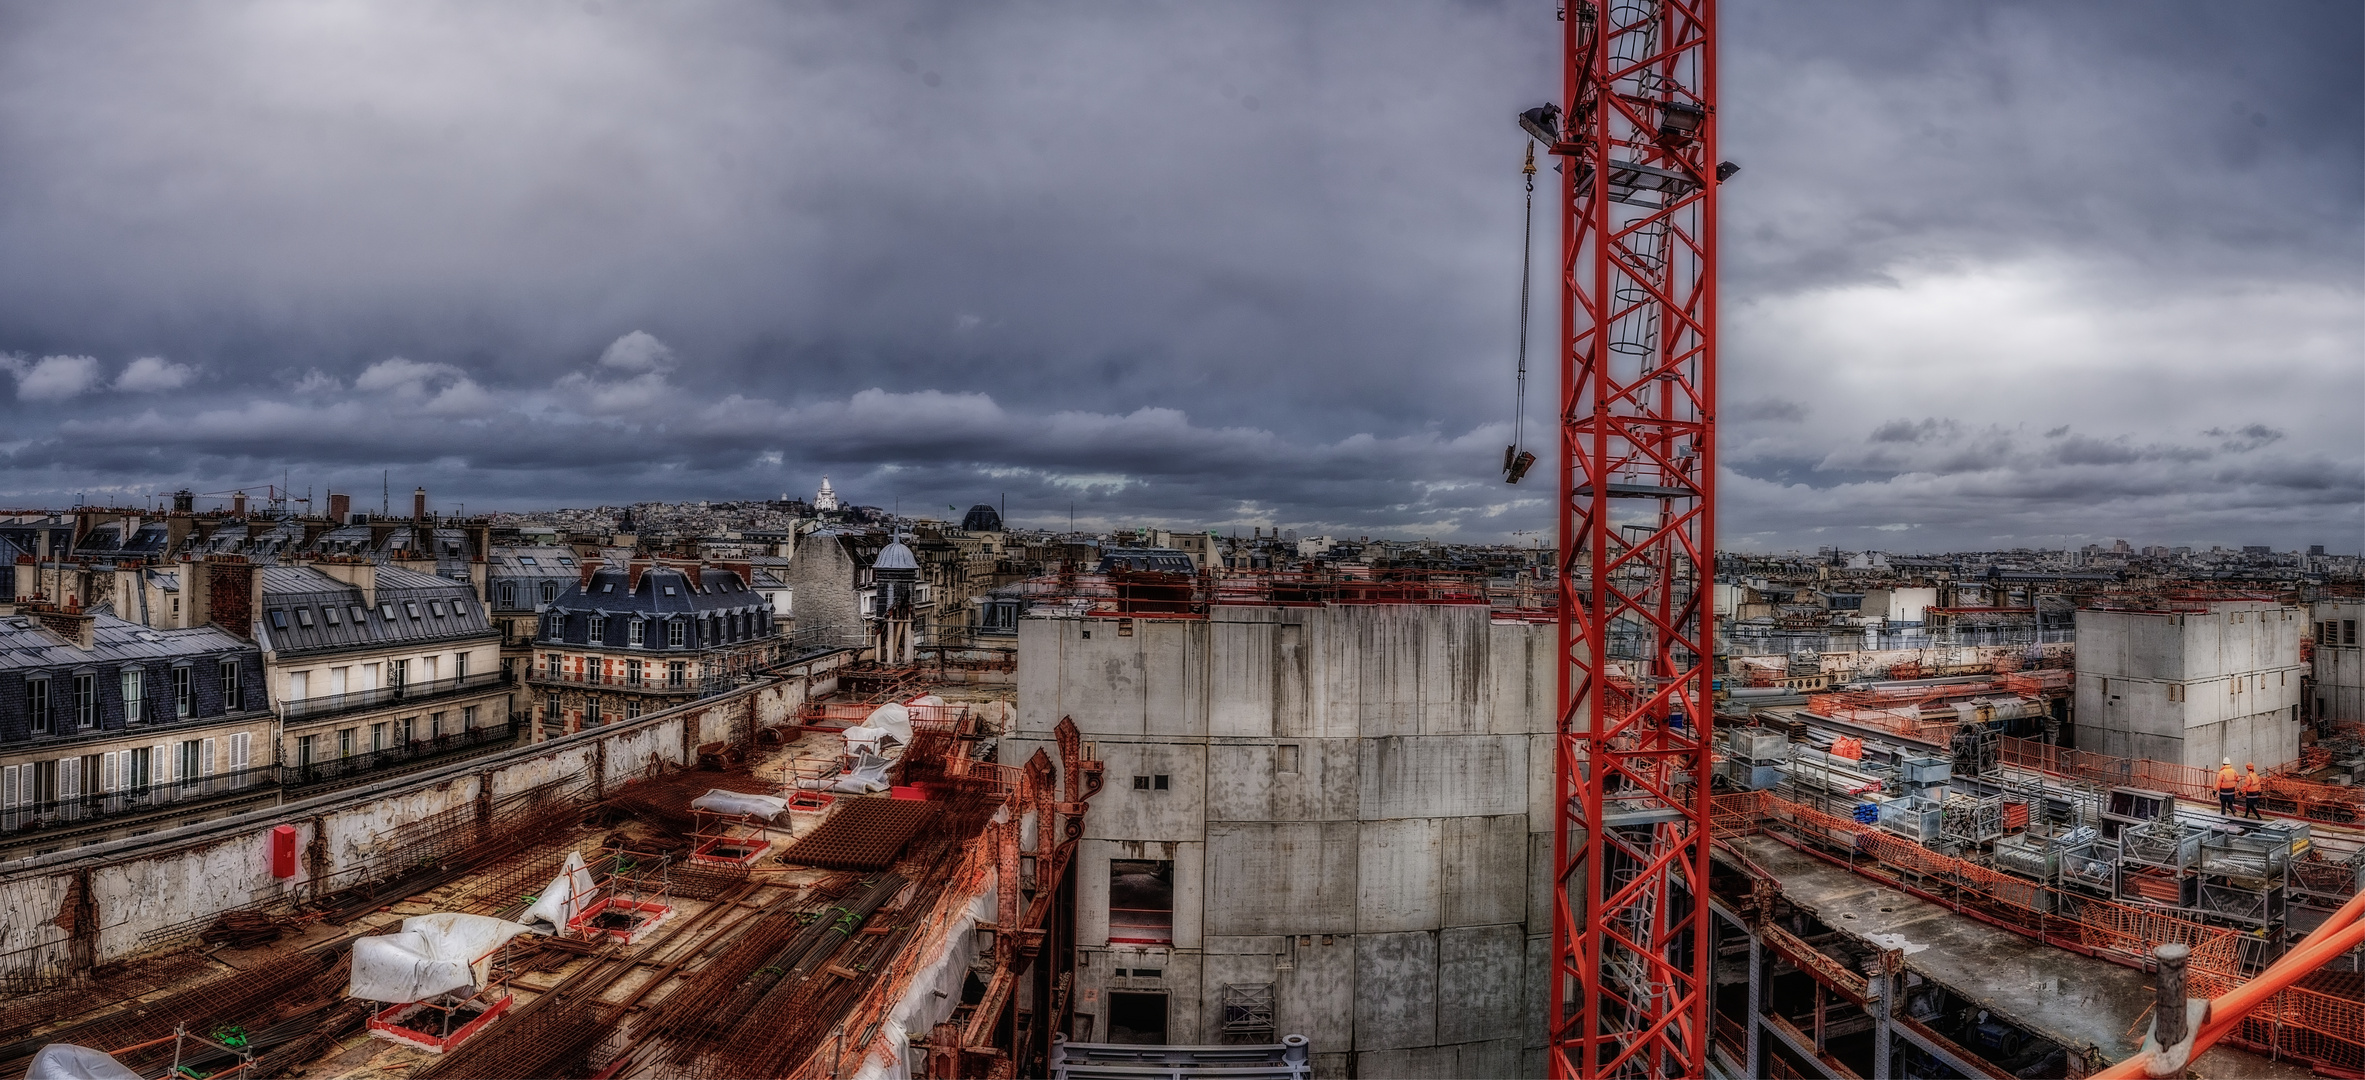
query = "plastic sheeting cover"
x=433 y=954
x=895 y=719
x=719 y=801
x=565 y=897
x=66 y=1061
x=935 y=991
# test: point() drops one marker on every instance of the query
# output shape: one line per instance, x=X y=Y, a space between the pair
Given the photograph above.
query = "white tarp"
x=443 y=953
x=867 y=777
x=66 y=1061
x=566 y=896
x=894 y=719
x=935 y=991
x=762 y=807
x=865 y=740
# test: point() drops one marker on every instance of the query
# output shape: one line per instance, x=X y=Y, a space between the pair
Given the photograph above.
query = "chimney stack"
x=238 y=505
x=184 y=501
x=340 y=508
x=419 y=504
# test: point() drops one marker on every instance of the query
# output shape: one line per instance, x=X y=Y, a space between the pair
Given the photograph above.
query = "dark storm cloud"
x=1205 y=264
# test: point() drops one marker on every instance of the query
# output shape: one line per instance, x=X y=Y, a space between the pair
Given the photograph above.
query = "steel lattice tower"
x=1637 y=143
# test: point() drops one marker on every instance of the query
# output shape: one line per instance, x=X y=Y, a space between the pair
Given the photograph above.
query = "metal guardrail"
x=447 y=745
x=81 y=809
x=314 y=708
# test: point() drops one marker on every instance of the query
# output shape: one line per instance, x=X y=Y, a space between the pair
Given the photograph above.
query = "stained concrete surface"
x=2078 y=1001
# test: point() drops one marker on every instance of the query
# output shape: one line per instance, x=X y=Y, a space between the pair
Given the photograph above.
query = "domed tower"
x=895 y=575
x=825 y=500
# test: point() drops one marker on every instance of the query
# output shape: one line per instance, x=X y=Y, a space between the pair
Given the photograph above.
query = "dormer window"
x=278 y=619
x=330 y=612
x=632 y=634
x=435 y=608
x=386 y=610
x=304 y=617
x=549 y=591
x=411 y=608
x=599 y=629
x=674 y=633
x=508 y=594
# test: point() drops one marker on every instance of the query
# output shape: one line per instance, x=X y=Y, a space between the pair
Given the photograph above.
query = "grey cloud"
x=533 y=254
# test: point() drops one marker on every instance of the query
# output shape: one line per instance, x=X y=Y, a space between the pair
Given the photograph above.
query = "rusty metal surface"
x=862 y=834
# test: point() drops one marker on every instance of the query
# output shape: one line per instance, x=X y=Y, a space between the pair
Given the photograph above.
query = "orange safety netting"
x=2321 y=1020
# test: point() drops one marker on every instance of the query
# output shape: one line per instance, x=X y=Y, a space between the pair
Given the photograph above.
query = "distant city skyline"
x=1996 y=275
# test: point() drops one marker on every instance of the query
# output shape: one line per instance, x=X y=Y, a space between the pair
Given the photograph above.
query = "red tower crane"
x=1635 y=131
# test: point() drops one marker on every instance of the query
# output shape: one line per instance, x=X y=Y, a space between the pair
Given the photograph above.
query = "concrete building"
x=372 y=665
x=2191 y=684
x=2338 y=667
x=1328 y=819
x=107 y=726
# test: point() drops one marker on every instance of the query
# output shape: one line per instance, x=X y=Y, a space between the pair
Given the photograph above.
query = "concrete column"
x=1876 y=1002
x=1753 y=1051
x=2168 y=1021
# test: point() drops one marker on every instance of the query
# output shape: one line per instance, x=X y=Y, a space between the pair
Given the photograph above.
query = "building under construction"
x=754 y=885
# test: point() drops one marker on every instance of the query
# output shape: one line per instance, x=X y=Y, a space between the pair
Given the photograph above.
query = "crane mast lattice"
x=1635 y=132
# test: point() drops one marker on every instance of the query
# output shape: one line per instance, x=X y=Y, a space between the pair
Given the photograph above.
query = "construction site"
x=757 y=885
x=1152 y=814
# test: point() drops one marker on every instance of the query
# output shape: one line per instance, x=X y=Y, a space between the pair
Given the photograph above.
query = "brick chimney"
x=419 y=504
x=340 y=508
x=238 y=505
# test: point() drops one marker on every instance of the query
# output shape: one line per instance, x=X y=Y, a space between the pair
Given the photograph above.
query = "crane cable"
x=1515 y=460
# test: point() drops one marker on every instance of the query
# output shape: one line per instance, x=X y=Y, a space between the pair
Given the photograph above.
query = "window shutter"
x=205 y=759
x=159 y=764
x=238 y=751
x=8 y=788
x=107 y=766
x=69 y=777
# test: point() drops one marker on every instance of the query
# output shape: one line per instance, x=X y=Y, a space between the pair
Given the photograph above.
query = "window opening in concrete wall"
x=1160 y=782
x=1137 y=1018
x=1141 y=903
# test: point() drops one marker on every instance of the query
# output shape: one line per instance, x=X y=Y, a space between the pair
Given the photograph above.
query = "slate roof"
x=412 y=608
x=26 y=644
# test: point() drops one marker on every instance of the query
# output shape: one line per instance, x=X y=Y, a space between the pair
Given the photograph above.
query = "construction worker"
x=2252 y=789
x=2227 y=784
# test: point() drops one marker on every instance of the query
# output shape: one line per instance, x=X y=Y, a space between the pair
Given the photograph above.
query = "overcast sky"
x=1995 y=275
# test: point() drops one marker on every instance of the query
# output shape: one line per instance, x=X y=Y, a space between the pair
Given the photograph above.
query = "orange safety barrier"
x=2322 y=1024
x=2286 y=795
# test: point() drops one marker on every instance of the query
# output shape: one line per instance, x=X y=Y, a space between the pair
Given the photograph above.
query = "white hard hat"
x=2227 y=761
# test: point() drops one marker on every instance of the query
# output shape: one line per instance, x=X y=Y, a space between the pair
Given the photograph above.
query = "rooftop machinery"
x=1635 y=134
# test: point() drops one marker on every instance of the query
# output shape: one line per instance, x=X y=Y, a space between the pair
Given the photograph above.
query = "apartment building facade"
x=371 y=664
x=643 y=637
x=107 y=725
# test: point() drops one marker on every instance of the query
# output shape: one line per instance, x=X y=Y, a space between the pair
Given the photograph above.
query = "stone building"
x=645 y=637
x=371 y=665
x=1326 y=819
x=106 y=726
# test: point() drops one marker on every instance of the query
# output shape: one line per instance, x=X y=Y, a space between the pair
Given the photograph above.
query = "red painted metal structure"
x=1635 y=133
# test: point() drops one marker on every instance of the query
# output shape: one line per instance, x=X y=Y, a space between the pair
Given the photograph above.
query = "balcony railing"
x=451 y=744
x=80 y=809
x=314 y=708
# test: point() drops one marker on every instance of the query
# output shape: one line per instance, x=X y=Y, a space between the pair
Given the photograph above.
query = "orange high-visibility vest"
x=2250 y=783
x=2225 y=778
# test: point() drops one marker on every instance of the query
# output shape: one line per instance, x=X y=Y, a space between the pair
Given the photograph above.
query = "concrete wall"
x=2339 y=664
x=2191 y=688
x=1358 y=810
x=143 y=883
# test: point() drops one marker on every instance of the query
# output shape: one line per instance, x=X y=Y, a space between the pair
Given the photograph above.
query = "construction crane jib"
x=1635 y=134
